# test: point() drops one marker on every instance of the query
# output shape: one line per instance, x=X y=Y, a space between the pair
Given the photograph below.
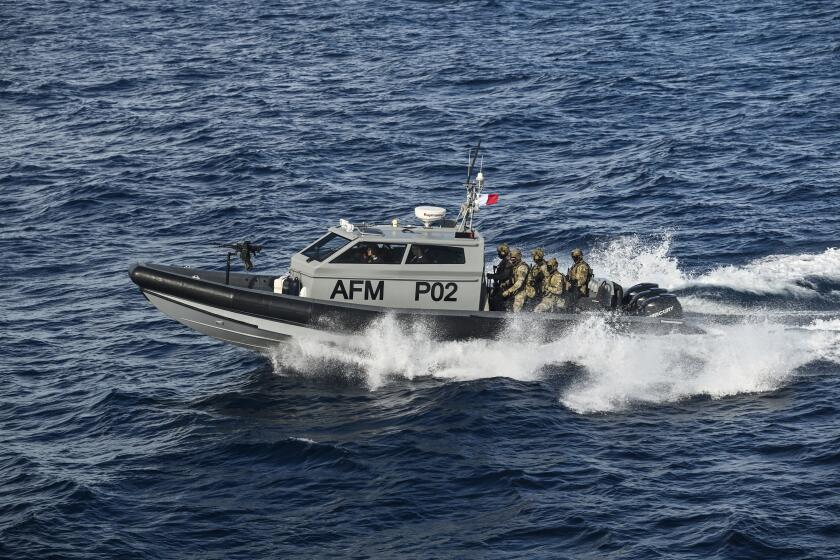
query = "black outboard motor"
x=634 y=301
x=631 y=292
x=664 y=305
x=650 y=300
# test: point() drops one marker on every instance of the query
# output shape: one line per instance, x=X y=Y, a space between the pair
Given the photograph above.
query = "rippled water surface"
x=694 y=146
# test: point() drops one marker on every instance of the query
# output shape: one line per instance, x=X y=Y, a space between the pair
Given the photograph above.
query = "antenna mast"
x=473 y=188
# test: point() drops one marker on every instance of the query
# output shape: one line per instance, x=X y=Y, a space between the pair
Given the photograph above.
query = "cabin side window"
x=323 y=248
x=435 y=254
x=372 y=253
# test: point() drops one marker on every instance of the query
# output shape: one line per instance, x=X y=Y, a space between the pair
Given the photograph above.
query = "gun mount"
x=245 y=250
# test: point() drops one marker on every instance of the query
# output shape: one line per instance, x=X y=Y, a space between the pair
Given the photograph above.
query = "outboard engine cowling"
x=634 y=301
x=633 y=290
x=663 y=305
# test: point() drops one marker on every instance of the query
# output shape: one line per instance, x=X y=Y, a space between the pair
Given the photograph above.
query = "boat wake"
x=749 y=357
x=620 y=370
x=631 y=259
x=760 y=347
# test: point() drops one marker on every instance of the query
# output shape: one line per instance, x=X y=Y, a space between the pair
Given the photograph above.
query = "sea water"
x=690 y=145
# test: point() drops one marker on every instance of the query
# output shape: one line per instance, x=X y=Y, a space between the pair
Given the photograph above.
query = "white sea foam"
x=826 y=334
x=386 y=351
x=620 y=369
x=759 y=353
x=630 y=260
x=706 y=306
x=730 y=359
x=776 y=274
x=824 y=325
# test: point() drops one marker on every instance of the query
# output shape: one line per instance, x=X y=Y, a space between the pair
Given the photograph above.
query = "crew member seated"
x=372 y=255
x=554 y=286
x=417 y=256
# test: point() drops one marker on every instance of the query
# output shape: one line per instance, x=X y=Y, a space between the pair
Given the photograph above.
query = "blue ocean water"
x=692 y=145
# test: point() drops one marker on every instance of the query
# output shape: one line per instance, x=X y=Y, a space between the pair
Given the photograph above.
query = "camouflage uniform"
x=553 y=288
x=504 y=271
x=580 y=273
x=517 y=287
x=537 y=275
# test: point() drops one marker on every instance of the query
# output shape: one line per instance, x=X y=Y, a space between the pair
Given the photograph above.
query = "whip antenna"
x=473 y=188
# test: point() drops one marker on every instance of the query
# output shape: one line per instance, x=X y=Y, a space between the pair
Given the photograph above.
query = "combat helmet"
x=538 y=254
x=551 y=264
x=577 y=254
x=503 y=250
x=515 y=255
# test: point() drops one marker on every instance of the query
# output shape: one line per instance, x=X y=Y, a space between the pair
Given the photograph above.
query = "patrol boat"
x=431 y=274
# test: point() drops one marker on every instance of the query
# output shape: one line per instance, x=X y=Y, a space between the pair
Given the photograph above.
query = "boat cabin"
x=409 y=267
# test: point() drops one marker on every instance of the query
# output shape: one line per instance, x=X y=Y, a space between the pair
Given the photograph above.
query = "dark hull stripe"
x=346 y=318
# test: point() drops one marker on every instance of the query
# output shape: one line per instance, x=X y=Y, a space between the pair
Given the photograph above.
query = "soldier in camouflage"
x=501 y=278
x=517 y=287
x=554 y=287
x=580 y=274
x=504 y=270
x=536 y=276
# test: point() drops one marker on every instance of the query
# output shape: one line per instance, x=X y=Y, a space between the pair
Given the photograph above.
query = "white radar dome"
x=429 y=214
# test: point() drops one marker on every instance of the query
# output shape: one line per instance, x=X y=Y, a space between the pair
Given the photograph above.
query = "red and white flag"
x=486 y=200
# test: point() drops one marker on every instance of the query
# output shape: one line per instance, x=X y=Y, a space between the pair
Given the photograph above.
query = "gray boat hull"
x=247 y=313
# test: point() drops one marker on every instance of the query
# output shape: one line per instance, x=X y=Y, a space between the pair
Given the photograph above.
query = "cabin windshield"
x=372 y=253
x=325 y=247
x=435 y=254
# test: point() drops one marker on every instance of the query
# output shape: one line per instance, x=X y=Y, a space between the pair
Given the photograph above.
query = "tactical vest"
x=525 y=281
x=553 y=277
x=581 y=284
x=536 y=278
x=504 y=274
